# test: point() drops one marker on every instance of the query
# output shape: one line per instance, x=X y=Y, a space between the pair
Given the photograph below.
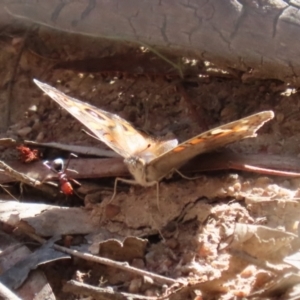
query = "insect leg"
x=67 y=164
x=129 y=181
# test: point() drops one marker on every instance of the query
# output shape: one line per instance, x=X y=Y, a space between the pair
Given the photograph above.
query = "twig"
x=263 y=170
x=76 y=287
x=24 y=178
x=8 y=192
x=108 y=262
x=7 y=294
x=18 y=176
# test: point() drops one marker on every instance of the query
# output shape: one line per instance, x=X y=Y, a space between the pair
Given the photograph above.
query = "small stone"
x=135 y=285
x=151 y=293
x=24 y=131
x=36 y=124
x=280 y=117
x=17 y=41
x=228 y=112
x=138 y=263
x=14 y=127
x=40 y=137
x=41 y=109
x=111 y=211
x=143 y=94
x=32 y=108
x=148 y=280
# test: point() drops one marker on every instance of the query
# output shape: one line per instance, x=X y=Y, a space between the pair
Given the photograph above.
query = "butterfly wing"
x=114 y=131
x=205 y=142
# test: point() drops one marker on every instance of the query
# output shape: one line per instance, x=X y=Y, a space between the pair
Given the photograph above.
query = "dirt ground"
x=187 y=234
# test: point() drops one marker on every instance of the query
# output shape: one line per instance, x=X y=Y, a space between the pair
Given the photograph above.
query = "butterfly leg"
x=129 y=181
x=157 y=195
x=184 y=176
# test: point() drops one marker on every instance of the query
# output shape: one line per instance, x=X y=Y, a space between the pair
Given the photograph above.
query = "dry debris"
x=229 y=233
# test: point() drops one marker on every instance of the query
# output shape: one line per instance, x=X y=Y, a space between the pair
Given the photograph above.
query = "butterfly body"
x=137 y=167
x=150 y=160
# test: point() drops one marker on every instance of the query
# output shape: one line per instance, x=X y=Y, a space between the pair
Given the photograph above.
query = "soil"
x=155 y=99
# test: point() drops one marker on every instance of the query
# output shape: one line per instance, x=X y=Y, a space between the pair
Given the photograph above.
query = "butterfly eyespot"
x=125 y=127
x=179 y=149
x=94 y=114
x=111 y=127
x=109 y=137
x=196 y=141
x=219 y=131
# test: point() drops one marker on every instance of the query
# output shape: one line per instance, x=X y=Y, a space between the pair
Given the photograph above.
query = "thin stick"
x=18 y=176
x=8 y=192
x=263 y=170
x=76 y=287
x=107 y=262
x=23 y=178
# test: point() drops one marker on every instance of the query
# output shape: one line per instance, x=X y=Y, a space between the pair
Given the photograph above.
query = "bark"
x=258 y=35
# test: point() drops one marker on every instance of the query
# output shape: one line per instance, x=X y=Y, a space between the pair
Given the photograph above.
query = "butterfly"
x=149 y=160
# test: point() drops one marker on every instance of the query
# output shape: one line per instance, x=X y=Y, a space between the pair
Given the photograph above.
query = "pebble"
x=40 y=137
x=228 y=111
x=280 y=117
x=24 y=131
x=41 y=109
x=135 y=285
x=143 y=94
x=36 y=124
x=138 y=263
x=32 y=108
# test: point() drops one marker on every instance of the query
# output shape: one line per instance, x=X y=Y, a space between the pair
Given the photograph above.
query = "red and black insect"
x=27 y=155
x=58 y=167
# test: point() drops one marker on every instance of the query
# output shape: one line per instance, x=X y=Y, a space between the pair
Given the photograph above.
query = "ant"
x=58 y=167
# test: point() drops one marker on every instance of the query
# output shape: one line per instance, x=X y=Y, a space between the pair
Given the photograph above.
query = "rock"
x=40 y=137
x=23 y=132
x=37 y=124
x=32 y=108
x=135 y=285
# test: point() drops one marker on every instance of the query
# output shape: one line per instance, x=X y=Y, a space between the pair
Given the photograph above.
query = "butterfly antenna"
x=69 y=159
x=47 y=165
